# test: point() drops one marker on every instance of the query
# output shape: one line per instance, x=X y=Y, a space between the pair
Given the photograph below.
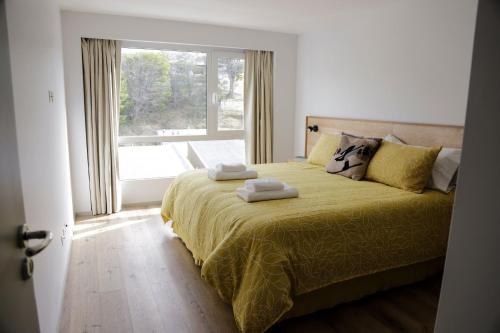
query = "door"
x=17 y=297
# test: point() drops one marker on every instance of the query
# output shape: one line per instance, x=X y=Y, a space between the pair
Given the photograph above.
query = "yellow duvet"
x=259 y=255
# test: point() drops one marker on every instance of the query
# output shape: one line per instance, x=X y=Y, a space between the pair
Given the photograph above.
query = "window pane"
x=163 y=93
x=169 y=159
x=230 y=93
x=153 y=160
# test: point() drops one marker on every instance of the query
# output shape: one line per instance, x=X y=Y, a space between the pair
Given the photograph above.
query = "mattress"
x=261 y=256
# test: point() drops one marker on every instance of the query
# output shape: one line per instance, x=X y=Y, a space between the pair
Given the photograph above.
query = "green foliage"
x=162 y=90
x=125 y=101
x=145 y=89
x=189 y=90
x=168 y=90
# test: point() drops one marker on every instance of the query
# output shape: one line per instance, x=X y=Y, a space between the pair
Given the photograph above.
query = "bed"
x=339 y=241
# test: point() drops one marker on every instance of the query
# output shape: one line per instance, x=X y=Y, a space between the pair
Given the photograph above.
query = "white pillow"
x=444 y=171
x=394 y=139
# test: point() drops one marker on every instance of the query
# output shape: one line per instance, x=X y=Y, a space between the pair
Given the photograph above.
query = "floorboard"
x=130 y=273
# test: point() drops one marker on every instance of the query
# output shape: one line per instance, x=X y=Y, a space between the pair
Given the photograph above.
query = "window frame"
x=213 y=132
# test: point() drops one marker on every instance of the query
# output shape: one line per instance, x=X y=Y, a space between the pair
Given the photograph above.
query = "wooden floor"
x=130 y=273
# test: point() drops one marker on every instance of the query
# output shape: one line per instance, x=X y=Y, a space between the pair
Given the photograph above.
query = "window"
x=163 y=93
x=230 y=71
x=180 y=108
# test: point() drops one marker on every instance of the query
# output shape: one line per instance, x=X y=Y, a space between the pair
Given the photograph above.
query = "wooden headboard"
x=415 y=134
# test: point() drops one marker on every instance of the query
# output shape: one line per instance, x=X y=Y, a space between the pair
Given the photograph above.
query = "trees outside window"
x=162 y=91
x=230 y=93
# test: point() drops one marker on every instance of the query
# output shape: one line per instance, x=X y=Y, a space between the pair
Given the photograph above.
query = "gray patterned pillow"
x=352 y=156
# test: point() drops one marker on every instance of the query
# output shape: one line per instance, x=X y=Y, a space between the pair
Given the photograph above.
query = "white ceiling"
x=291 y=16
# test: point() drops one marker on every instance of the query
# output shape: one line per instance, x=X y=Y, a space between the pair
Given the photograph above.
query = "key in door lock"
x=27 y=268
x=23 y=236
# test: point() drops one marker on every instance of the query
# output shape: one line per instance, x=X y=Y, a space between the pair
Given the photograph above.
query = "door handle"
x=24 y=235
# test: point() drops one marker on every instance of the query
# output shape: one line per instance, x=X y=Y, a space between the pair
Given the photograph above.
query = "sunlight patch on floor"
x=126 y=212
x=106 y=228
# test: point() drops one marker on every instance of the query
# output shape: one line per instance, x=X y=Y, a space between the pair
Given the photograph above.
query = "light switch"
x=51 y=96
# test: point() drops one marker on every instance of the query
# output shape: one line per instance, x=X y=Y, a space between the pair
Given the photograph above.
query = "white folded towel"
x=230 y=167
x=221 y=175
x=264 y=184
x=250 y=196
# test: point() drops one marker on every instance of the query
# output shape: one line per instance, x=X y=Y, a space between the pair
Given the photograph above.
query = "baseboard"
x=141 y=204
x=80 y=214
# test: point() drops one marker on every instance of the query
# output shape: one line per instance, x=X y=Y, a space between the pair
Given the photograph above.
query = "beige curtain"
x=259 y=106
x=101 y=78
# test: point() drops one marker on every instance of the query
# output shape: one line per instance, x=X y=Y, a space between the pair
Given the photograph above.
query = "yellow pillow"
x=323 y=150
x=402 y=166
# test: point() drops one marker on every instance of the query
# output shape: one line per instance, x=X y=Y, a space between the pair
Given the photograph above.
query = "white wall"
x=144 y=190
x=470 y=293
x=36 y=60
x=389 y=60
x=76 y=25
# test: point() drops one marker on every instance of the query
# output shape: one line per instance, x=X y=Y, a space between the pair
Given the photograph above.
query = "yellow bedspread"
x=259 y=255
